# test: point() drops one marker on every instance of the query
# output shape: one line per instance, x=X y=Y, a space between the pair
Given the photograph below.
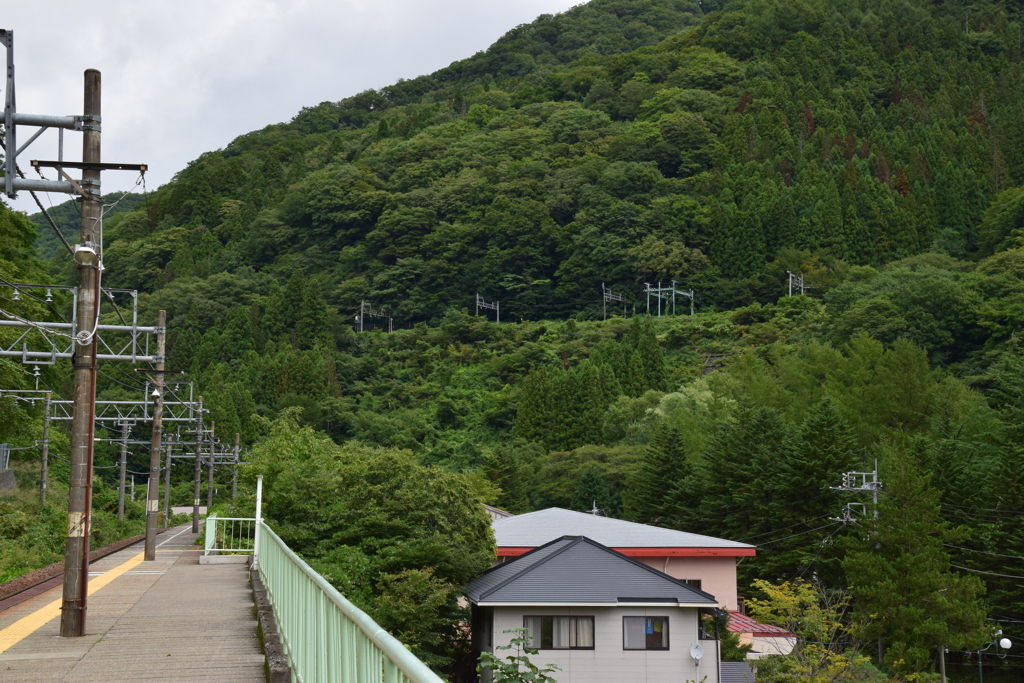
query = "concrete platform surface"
x=168 y=620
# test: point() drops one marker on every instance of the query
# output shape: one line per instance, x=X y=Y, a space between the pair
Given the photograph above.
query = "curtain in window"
x=562 y=633
x=533 y=629
x=634 y=636
x=584 y=632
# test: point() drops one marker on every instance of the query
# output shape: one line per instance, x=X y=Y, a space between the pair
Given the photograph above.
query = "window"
x=644 y=633
x=692 y=582
x=560 y=633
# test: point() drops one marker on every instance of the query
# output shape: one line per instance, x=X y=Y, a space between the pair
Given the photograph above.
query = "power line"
x=971 y=507
x=982 y=552
x=978 y=571
x=803 y=533
x=813 y=519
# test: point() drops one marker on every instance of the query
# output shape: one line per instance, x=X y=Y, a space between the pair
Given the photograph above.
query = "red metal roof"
x=741 y=623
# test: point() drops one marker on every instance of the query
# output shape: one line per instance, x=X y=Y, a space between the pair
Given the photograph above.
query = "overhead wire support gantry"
x=494 y=306
x=608 y=296
x=667 y=293
x=84 y=332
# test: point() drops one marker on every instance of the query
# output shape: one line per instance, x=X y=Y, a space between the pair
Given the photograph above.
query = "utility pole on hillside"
x=367 y=309
x=670 y=293
x=495 y=306
x=855 y=482
x=606 y=296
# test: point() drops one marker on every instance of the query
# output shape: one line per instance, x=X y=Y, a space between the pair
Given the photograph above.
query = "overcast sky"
x=185 y=77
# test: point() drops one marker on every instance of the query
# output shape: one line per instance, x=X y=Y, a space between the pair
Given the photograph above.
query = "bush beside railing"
x=326 y=637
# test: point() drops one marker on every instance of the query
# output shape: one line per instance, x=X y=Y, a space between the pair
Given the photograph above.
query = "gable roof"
x=516 y=534
x=575 y=570
x=741 y=623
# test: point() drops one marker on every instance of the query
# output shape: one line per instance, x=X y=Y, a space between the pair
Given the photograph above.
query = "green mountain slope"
x=875 y=147
x=617 y=143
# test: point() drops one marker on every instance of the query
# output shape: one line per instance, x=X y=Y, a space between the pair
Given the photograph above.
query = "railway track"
x=41 y=580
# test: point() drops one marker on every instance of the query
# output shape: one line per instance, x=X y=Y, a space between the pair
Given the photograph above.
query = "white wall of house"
x=608 y=662
x=716 y=574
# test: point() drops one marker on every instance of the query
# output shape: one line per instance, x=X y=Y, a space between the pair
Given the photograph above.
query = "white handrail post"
x=259 y=522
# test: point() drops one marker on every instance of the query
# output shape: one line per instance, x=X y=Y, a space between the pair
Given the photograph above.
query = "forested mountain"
x=875 y=147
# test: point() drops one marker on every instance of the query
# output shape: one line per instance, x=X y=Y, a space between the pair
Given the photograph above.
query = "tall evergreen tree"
x=905 y=592
x=592 y=490
x=664 y=467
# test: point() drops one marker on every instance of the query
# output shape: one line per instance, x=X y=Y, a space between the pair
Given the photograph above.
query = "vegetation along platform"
x=168 y=620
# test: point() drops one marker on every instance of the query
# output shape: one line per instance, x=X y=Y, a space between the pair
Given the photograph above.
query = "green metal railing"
x=235 y=535
x=326 y=637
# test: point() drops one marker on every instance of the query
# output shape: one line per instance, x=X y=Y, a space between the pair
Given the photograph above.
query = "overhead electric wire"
x=978 y=571
x=821 y=547
x=41 y=207
x=802 y=533
x=773 y=531
x=971 y=507
x=1012 y=557
x=48 y=304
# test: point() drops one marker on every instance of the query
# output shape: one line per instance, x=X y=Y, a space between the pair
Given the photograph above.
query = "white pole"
x=259 y=522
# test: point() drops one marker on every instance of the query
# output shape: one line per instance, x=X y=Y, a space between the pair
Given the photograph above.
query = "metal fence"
x=326 y=637
x=235 y=535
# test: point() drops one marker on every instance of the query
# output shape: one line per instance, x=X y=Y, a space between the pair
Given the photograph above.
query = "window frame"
x=668 y=634
x=562 y=616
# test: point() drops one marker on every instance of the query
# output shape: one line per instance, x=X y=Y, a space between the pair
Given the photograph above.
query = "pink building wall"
x=716 y=574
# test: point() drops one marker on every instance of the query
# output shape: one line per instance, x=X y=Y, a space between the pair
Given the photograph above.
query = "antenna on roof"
x=595 y=510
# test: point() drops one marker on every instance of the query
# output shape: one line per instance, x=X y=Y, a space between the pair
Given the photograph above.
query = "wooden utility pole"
x=153 y=490
x=76 y=555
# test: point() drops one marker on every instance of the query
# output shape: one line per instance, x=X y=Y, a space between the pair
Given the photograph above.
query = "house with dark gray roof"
x=704 y=562
x=597 y=614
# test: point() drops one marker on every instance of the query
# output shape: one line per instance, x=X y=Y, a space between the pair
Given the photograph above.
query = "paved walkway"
x=168 y=620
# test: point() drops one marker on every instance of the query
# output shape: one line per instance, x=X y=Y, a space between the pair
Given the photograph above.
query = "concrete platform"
x=168 y=620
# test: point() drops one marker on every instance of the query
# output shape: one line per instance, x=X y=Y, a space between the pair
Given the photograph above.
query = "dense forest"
x=876 y=148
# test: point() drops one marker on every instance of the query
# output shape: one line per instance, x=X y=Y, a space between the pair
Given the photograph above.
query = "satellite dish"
x=696 y=651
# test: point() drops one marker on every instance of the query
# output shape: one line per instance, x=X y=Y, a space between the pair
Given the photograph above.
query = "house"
x=765 y=639
x=704 y=562
x=597 y=614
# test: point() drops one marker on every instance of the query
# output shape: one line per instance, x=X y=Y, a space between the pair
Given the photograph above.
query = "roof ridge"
x=502 y=584
x=717 y=541
x=651 y=569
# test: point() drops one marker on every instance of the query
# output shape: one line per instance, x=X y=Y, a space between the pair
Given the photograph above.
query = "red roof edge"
x=509 y=551
x=741 y=623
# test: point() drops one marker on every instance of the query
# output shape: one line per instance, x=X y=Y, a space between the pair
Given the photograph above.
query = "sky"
x=185 y=77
